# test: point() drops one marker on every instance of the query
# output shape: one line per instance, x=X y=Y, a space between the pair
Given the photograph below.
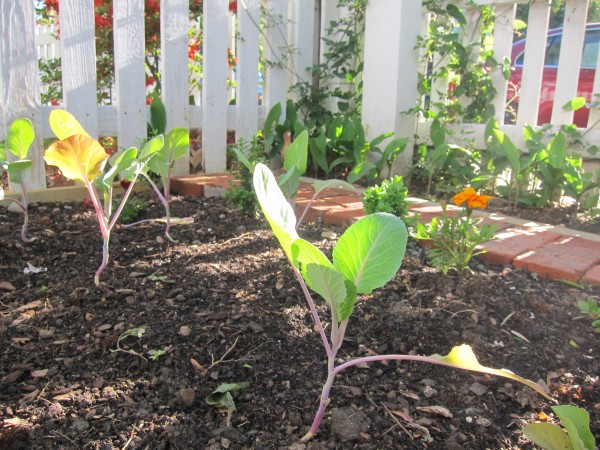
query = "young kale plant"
x=175 y=145
x=18 y=140
x=367 y=256
x=83 y=159
x=389 y=196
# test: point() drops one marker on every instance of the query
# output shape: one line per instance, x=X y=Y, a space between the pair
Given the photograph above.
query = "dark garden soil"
x=224 y=306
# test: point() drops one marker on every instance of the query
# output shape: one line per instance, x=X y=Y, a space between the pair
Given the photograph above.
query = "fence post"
x=78 y=50
x=246 y=102
x=391 y=71
x=302 y=37
x=275 y=47
x=503 y=36
x=174 y=26
x=20 y=87
x=130 y=77
x=214 y=86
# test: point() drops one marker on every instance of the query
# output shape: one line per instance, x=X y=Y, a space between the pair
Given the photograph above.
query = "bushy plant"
x=454 y=240
x=389 y=196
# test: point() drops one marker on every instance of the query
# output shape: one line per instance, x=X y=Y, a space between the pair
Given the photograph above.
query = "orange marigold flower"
x=473 y=199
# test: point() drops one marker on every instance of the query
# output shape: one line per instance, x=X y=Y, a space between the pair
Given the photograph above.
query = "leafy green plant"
x=454 y=240
x=389 y=196
x=367 y=256
x=245 y=155
x=132 y=210
x=81 y=158
x=18 y=140
x=591 y=309
x=575 y=434
x=132 y=332
x=222 y=396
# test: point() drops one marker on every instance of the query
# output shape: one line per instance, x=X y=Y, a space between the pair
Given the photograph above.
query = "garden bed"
x=225 y=307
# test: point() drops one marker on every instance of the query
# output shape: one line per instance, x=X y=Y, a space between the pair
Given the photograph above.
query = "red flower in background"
x=233 y=6
x=193 y=49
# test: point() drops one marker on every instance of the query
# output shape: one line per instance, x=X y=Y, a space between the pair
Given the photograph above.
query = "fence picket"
x=503 y=32
x=246 y=101
x=214 y=85
x=130 y=78
x=78 y=50
x=174 y=25
x=20 y=86
x=275 y=45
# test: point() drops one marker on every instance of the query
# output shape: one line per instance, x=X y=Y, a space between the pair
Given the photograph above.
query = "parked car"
x=553 y=45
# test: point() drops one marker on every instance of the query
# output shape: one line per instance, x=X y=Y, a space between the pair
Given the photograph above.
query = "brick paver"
x=545 y=250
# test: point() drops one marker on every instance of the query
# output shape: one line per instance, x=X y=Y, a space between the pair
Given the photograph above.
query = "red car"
x=586 y=75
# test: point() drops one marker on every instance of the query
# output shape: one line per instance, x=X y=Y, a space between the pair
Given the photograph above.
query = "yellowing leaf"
x=78 y=157
x=462 y=357
x=64 y=124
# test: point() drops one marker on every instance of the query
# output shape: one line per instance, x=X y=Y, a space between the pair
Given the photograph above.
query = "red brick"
x=344 y=216
x=193 y=185
x=569 y=259
x=512 y=242
x=426 y=213
x=592 y=276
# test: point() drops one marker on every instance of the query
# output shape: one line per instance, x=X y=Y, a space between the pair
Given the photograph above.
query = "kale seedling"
x=591 y=308
x=135 y=332
x=83 y=159
x=367 y=256
x=18 y=140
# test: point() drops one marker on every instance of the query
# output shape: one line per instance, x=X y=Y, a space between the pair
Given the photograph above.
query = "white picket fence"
x=391 y=66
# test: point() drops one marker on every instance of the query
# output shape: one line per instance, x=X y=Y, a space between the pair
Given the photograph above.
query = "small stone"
x=185 y=330
x=188 y=395
x=7 y=286
x=429 y=392
x=160 y=239
x=256 y=327
x=328 y=234
x=478 y=389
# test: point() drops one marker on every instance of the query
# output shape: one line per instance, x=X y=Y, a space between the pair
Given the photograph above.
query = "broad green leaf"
x=152 y=146
x=462 y=357
x=122 y=162
x=577 y=422
x=360 y=170
x=547 y=436
x=510 y=150
x=370 y=251
x=158 y=116
x=20 y=137
x=437 y=133
x=271 y=122
x=222 y=397
x=178 y=141
x=575 y=104
x=64 y=124
x=557 y=151
x=320 y=185
x=275 y=207
x=289 y=183
x=455 y=12
x=241 y=157
x=297 y=153
x=15 y=169
x=78 y=157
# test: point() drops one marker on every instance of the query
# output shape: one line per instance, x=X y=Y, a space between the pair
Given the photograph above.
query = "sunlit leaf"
x=519 y=24
x=371 y=250
x=575 y=104
x=577 y=423
x=557 y=151
x=297 y=153
x=20 y=137
x=510 y=150
x=462 y=357
x=64 y=124
x=547 y=436
x=320 y=185
x=276 y=208
x=123 y=161
x=78 y=157
x=158 y=116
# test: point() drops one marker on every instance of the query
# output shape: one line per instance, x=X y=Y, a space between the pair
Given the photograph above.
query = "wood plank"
x=247 y=70
x=20 y=87
x=533 y=63
x=78 y=50
x=302 y=38
x=130 y=78
x=503 y=35
x=274 y=44
x=174 y=25
x=569 y=61
x=214 y=85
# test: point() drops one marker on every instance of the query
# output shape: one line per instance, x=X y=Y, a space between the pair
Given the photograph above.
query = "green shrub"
x=388 y=197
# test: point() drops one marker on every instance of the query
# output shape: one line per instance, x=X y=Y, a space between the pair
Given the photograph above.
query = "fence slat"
x=503 y=32
x=302 y=35
x=214 y=85
x=533 y=63
x=569 y=60
x=174 y=25
x=78 y=50
x=391 y=24
x=20 y=87
x=274 y=48
x=128 y=19
x=246 y=101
